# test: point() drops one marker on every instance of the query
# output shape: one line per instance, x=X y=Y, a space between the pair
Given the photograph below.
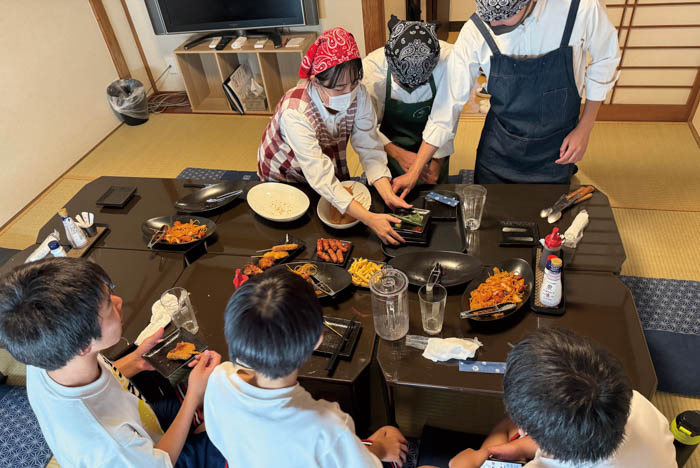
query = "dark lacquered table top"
x=598 y=305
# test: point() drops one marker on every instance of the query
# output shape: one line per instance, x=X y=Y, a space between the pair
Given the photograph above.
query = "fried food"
x=251 y=270
x=336 y=217
x=266 y=262
x=183 y=350
x=180 y=233
x=332 y=250
x=362 y=270
x=285 y=247
x=276 y=254
x=501 y=287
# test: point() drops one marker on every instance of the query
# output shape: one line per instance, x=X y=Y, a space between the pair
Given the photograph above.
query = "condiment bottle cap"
x=63 y=212
x=553 y=240
x=556 y=262
x=53 y=244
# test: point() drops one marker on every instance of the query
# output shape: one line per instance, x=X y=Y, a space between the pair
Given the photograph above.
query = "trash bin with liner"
x=128 y=100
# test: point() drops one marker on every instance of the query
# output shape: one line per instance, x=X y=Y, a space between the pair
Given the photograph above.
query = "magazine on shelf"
x=237 y=87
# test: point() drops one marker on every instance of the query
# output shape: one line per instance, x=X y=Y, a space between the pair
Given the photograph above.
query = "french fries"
x=362 y=270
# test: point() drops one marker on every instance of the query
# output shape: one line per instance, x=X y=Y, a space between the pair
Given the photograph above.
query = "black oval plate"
x=152 y=225
x=196 y=202
x=336 y=277
x=459 y=268
x=514 y=265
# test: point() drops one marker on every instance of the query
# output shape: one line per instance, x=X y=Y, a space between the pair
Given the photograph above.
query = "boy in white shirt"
x=570 y=405
x=259 y=416
x=56 y=315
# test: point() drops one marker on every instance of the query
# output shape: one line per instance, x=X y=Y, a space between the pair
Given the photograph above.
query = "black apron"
x=403 y=124
x=535 y=104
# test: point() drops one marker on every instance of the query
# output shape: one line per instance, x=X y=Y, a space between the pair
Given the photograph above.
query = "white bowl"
x=277 y=201
x=359 y=192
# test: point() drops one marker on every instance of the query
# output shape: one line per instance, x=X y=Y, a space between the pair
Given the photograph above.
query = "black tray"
x=197 y=202
x=116 y=196
x=287 y=239
x=439 y=211
x=151 y=226
x=443 y=235
x=346 y=255
x=331 y=340
x=459 y=268
x=510 y=239
x=157 y=357
x=335 y=276
x=517 y=265
x=561 y=308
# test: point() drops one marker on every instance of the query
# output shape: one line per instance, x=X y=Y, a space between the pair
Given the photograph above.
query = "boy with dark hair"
x=571 y=405
x=56 y=315
x=259 y=416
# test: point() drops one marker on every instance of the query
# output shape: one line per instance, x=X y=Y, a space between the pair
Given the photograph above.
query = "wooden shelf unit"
x=204 y=70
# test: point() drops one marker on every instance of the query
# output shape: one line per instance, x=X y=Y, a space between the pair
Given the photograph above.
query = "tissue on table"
x=444 y=349
x=161 y=315
x=574 y=234
x=43 y=249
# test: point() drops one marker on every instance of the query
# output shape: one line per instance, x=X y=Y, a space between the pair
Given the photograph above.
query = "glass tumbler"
x=473 y=201
x=177 y=302
x=432 y=308
x=389 y=293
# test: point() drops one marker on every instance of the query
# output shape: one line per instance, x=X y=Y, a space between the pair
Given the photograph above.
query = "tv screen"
x=181 y=16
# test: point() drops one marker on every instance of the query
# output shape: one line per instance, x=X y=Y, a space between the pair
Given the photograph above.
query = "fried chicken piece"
x=276 y=255
x=182 y=351
x=266 y=262
x=251 y=270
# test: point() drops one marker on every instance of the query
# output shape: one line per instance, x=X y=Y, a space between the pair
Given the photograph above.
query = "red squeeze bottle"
x=552 y=245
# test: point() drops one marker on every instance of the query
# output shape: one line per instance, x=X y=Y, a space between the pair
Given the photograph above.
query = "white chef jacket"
x=540 y=33
x=375 y=67
x=318 y=169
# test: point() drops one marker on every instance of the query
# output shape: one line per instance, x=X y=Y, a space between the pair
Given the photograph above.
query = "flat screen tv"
x=190 y=16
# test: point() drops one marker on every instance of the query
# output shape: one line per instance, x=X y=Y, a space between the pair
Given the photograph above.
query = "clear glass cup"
x=473 y=201
x=389 y=293
x=177 y=302
x=473 y=240
x=432 y=308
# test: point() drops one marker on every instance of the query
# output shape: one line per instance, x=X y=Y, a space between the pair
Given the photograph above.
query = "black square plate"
x=346 y=255
x=518 y=234
x=331 y=340
x=438 y=211
x=117 y=196
x=157 y=357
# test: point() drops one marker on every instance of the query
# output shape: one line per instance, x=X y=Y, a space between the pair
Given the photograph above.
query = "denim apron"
x=535 y=104
x=403 y=124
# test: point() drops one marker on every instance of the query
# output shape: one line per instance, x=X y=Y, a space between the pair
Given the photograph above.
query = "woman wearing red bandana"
x=307 y=137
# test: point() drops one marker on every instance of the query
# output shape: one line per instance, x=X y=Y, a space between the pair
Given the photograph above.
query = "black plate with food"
x=439 y=211
x=331 y=339
x=210 y=197
x=158 y=356
x=332 y=251
x=442 y=236
x=415 y=222
x=458 y=268
x=329 y=280
x=517 y=266
x=284 y=251
x=153 y=225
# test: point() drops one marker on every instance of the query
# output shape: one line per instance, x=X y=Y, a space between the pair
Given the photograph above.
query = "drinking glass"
x=473 y=201
x=473 y=240
x=432 y=308
x=389 y=293
x=177 y=302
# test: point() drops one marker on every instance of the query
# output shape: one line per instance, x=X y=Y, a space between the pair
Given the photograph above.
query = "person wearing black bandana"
x=534 y=54
x=402 y=79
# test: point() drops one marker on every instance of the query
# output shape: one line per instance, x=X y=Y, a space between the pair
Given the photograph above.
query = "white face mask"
x=341 y=103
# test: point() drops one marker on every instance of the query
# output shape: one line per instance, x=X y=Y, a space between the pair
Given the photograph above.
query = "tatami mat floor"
x=648 y=170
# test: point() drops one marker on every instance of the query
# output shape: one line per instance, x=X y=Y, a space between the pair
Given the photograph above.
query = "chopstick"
x=330 y=366
x=328 y=325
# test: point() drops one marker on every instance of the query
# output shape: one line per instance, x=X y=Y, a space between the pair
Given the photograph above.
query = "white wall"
x=53 y=108
x=159 y=49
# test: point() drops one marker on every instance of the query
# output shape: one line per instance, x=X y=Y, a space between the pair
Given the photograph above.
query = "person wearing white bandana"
x=402 y=78
x=534 y=54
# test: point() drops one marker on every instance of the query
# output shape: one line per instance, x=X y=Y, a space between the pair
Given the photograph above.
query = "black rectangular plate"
x=287 y=239
x=117 y=196
x=439 y=211
x=442 y=235
x=157 y=357
x=346 y=255
x=507 y=238
x=561 y=308
x=331 y=340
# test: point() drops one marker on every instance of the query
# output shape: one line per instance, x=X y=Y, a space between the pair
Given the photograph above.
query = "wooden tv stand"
x=204 y=70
